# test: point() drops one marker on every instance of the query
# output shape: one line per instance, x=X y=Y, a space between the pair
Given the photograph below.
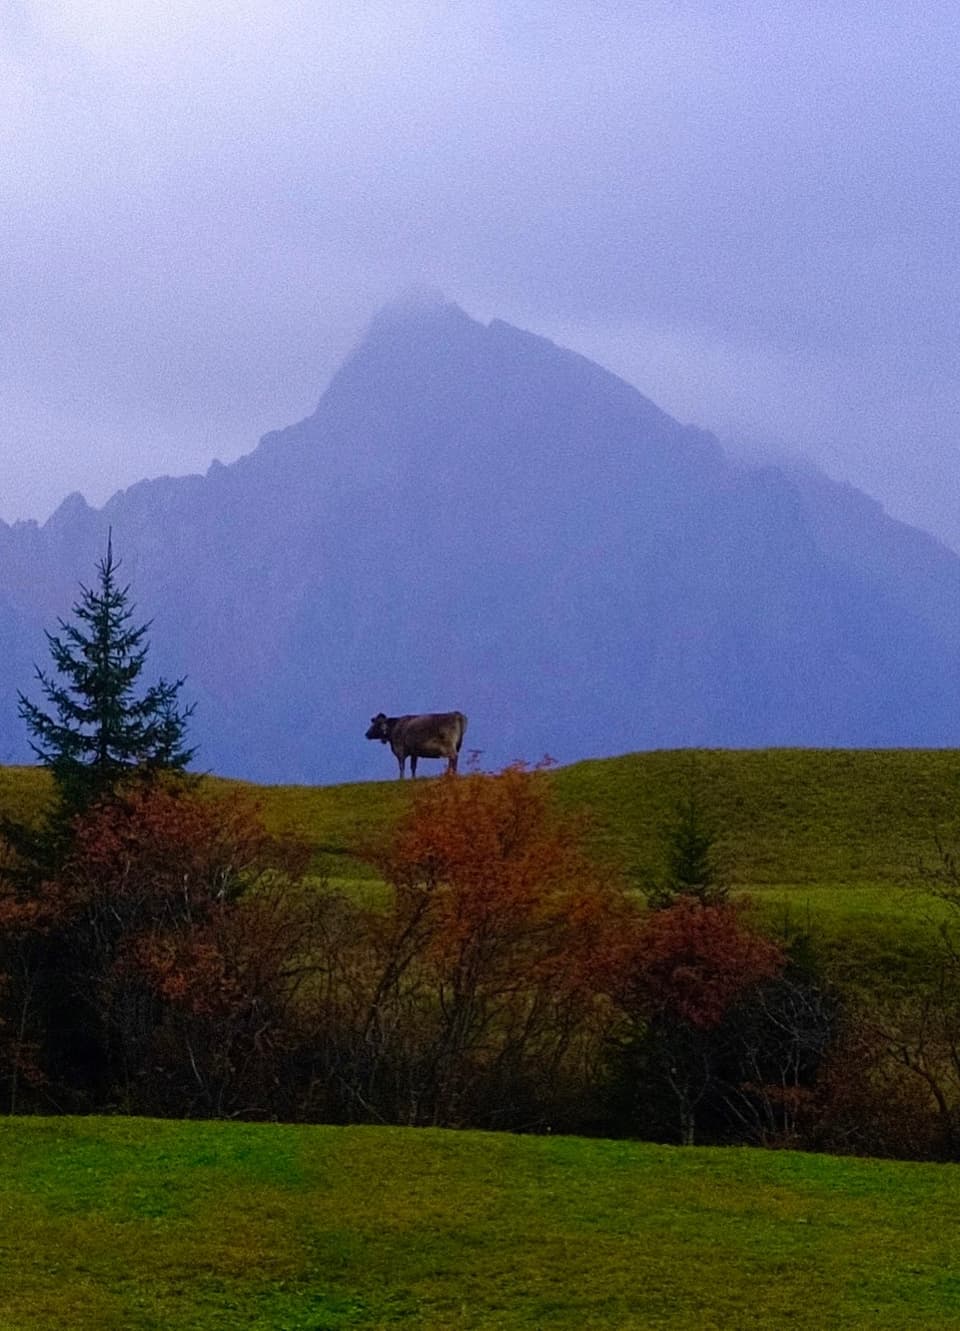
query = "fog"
x=749 y=213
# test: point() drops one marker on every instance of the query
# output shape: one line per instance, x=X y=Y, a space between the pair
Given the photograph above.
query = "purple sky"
x=750 y=211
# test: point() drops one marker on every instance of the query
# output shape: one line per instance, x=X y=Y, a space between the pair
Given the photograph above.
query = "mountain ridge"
x=473 y=517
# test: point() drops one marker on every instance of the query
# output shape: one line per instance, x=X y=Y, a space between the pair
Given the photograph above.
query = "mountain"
x=475 y=518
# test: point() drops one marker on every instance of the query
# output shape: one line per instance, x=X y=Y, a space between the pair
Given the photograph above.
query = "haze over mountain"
x=474 y=518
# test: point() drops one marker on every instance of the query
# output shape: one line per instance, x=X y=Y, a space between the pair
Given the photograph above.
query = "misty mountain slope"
x=475 y=518
x=918 y=573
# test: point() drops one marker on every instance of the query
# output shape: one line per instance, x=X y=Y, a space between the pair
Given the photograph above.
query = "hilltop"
x=800 y=817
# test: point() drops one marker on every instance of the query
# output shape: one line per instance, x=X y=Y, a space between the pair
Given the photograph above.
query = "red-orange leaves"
x=162 y=854
x=185 y=936
x=487 y=965
x=690 y=963
x=502 y=879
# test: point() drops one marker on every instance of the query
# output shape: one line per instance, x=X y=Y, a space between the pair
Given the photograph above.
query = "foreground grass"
x=125 y=1223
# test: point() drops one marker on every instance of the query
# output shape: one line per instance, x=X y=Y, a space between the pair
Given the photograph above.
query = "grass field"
x=825 y=840
x=115 y=1224
x=785 y=817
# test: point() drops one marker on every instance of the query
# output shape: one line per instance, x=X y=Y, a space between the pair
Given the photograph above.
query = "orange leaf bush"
x=489 y=969
x=691 y=962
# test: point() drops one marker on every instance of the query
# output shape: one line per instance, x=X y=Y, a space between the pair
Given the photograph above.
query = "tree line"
x=162 y=953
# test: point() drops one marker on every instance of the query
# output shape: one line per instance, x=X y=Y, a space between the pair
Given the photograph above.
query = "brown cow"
x=432 y=735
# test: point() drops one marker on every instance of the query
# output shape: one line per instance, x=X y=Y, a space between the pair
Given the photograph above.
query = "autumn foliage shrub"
x=480 y=991
x=691 y=962
x=27 y=919
x=871 y=1099
x=167 y=955
x=694 y=978
x=892 y=1085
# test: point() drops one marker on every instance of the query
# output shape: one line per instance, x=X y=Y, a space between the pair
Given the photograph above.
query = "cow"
x=432 y=735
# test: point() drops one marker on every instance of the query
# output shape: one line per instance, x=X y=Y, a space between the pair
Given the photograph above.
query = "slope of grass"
x=785 y=817
x=338 y=822
x=879 y=939
x=112 y=1224
x=829 y=840
x=24 y=793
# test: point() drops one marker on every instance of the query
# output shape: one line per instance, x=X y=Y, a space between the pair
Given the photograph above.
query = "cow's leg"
x=402 y=760
x=413 y=765
x=452 y=762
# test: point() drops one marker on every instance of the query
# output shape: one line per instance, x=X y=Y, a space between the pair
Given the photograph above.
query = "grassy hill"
x=826 y=841
x=829 y=839
x=785 y=817
x=120 y=1224
x=801 y=817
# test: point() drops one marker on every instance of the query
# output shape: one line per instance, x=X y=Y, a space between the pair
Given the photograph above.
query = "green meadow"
x=110 y=1224
x=789 y=822
x=825 y=841
x=786 y=819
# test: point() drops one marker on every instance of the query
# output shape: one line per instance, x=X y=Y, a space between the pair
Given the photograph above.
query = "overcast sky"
x=749 y=210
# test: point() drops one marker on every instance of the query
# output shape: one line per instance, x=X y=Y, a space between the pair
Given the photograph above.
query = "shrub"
x=483 y=982
x=174 y=939
x=688 y=968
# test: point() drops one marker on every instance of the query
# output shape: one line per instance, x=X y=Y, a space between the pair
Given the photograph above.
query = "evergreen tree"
x=693 y=867
x=99 y=731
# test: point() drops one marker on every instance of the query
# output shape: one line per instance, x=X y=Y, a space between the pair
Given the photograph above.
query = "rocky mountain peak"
x=477 y=519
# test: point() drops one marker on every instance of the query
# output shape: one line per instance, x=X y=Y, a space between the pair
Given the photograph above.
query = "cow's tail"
x=463 y=729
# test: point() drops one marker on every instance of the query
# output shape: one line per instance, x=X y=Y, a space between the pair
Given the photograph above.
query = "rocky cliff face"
x=474 y=518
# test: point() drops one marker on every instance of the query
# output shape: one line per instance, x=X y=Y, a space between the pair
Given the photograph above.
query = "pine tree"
x=98 y=730
x=693 y=867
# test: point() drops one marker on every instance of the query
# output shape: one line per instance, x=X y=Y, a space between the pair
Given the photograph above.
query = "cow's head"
x=379 y=729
